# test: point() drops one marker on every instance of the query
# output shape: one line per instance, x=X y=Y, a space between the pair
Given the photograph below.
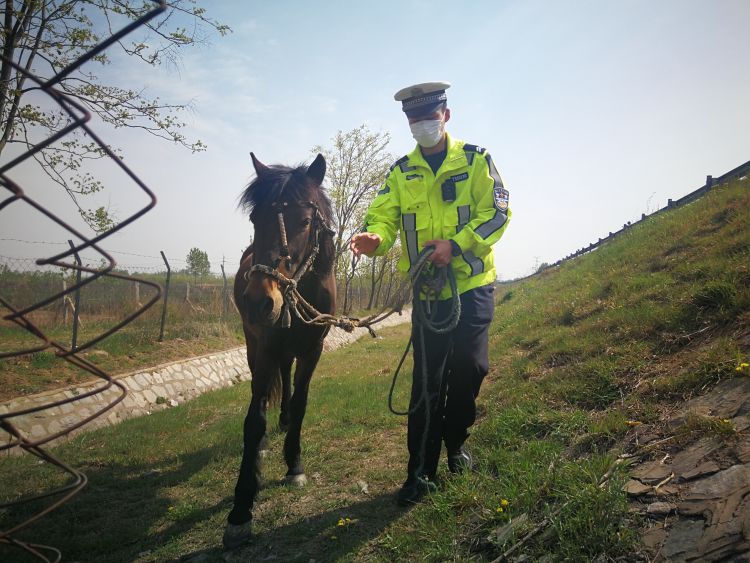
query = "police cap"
x=422 y=99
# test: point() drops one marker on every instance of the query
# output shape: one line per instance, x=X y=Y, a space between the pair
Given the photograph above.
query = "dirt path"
x=696 y=498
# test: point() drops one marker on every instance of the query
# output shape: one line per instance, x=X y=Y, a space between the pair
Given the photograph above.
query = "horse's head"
x=291 y=217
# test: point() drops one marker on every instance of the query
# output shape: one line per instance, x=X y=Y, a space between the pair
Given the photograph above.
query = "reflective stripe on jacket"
x=465 y=202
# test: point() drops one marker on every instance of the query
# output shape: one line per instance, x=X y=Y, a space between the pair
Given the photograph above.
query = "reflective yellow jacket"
x=465 y=202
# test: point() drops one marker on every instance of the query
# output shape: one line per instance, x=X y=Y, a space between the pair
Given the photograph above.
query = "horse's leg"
x=239 y=520
x=302 y=375
x=286 y=393
x=252 y=347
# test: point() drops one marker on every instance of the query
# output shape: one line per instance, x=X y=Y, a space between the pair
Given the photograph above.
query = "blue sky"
x=594 y=111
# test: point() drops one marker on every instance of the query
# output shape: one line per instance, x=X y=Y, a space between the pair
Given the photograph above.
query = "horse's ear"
x=317 y=170
x=260 y=168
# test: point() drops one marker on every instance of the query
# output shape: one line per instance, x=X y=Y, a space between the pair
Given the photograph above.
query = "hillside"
x=615 y=362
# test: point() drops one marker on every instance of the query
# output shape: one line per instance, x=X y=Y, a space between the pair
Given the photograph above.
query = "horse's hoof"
x=236 y=534
x=296 y=480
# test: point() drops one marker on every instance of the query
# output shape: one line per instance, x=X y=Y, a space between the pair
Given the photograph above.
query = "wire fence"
x=185 y=297
x=23 y=308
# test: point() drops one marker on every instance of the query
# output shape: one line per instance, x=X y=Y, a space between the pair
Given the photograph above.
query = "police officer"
x=446 y=194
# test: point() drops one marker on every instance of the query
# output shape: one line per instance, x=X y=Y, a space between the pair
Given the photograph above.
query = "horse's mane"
x=285 y=183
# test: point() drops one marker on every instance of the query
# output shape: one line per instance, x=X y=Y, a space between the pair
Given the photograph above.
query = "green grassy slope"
x=579 y=354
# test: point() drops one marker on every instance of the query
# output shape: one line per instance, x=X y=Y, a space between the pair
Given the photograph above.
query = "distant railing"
x=711 y=182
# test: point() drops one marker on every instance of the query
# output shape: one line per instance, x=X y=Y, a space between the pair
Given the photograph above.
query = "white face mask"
x=428 y=132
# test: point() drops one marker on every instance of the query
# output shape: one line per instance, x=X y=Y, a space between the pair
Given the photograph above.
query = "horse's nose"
x=266 y=309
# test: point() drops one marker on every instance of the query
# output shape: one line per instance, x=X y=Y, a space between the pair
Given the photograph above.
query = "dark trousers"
x=452 y=409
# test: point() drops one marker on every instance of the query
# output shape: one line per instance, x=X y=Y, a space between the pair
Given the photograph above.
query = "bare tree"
x=45 y=36
x=358 y=163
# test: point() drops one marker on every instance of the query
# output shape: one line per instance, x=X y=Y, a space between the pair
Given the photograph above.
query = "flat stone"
x=654 y=538
x=131 y=384
x=149 y=395
x=687 y=460
x=141 y=379
x=651 y=473
x=743 y=451
x=665 y=490
x=683 y=539
x=720 y=485
x=658 y=509
x=728 y=399
x=636 y=488
x=704 y=469
x=741 y=423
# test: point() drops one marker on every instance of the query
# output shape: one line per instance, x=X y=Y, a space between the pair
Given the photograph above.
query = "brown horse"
x=292 y=250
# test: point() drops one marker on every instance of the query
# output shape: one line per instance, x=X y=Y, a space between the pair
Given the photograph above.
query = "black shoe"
x=413 y=490
x=460 y=461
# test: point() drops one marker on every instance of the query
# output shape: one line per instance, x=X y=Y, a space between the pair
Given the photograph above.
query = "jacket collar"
x=455 y=157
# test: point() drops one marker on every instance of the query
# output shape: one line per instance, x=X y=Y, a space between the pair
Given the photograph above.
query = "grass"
x=579 y=354
x=135 y=346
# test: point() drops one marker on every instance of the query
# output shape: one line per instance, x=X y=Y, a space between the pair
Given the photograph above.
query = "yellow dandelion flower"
x=504 y=502
x=499 y=509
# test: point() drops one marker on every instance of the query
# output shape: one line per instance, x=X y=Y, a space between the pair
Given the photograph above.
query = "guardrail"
x=711 y=182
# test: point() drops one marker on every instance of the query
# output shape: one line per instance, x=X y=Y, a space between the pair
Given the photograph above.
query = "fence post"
x=166 y=296
x=223 y=294
x=709 y=181
x=74 y=339
x=64 y=304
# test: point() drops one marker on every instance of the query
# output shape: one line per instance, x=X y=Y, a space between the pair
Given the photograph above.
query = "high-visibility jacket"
x=465 y=202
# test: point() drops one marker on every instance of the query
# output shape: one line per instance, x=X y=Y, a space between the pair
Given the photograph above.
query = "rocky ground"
x=695 y=494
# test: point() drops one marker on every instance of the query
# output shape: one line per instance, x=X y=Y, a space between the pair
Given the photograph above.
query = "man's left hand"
x=443 y=252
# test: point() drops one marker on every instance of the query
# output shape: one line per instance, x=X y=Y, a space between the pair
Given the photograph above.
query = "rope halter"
x=291 y=296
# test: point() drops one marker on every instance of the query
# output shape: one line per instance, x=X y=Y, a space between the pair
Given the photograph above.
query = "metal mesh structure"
x=12 y=437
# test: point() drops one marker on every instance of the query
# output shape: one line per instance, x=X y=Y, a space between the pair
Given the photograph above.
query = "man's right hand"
x=364 y=243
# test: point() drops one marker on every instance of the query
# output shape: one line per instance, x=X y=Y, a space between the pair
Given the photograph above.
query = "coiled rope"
x=427 y=283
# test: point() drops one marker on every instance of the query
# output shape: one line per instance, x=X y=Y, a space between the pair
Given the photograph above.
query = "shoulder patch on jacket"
x=471 y=150
x=474 y=148
x=501 y=196
x=399 y=162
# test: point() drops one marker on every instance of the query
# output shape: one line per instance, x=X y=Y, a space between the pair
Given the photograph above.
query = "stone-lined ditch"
x=150 y=389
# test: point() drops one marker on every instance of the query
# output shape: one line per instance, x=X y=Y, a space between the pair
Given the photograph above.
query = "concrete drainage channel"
x=152 y=389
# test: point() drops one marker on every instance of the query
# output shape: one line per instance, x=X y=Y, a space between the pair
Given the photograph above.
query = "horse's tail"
x=280 y=384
